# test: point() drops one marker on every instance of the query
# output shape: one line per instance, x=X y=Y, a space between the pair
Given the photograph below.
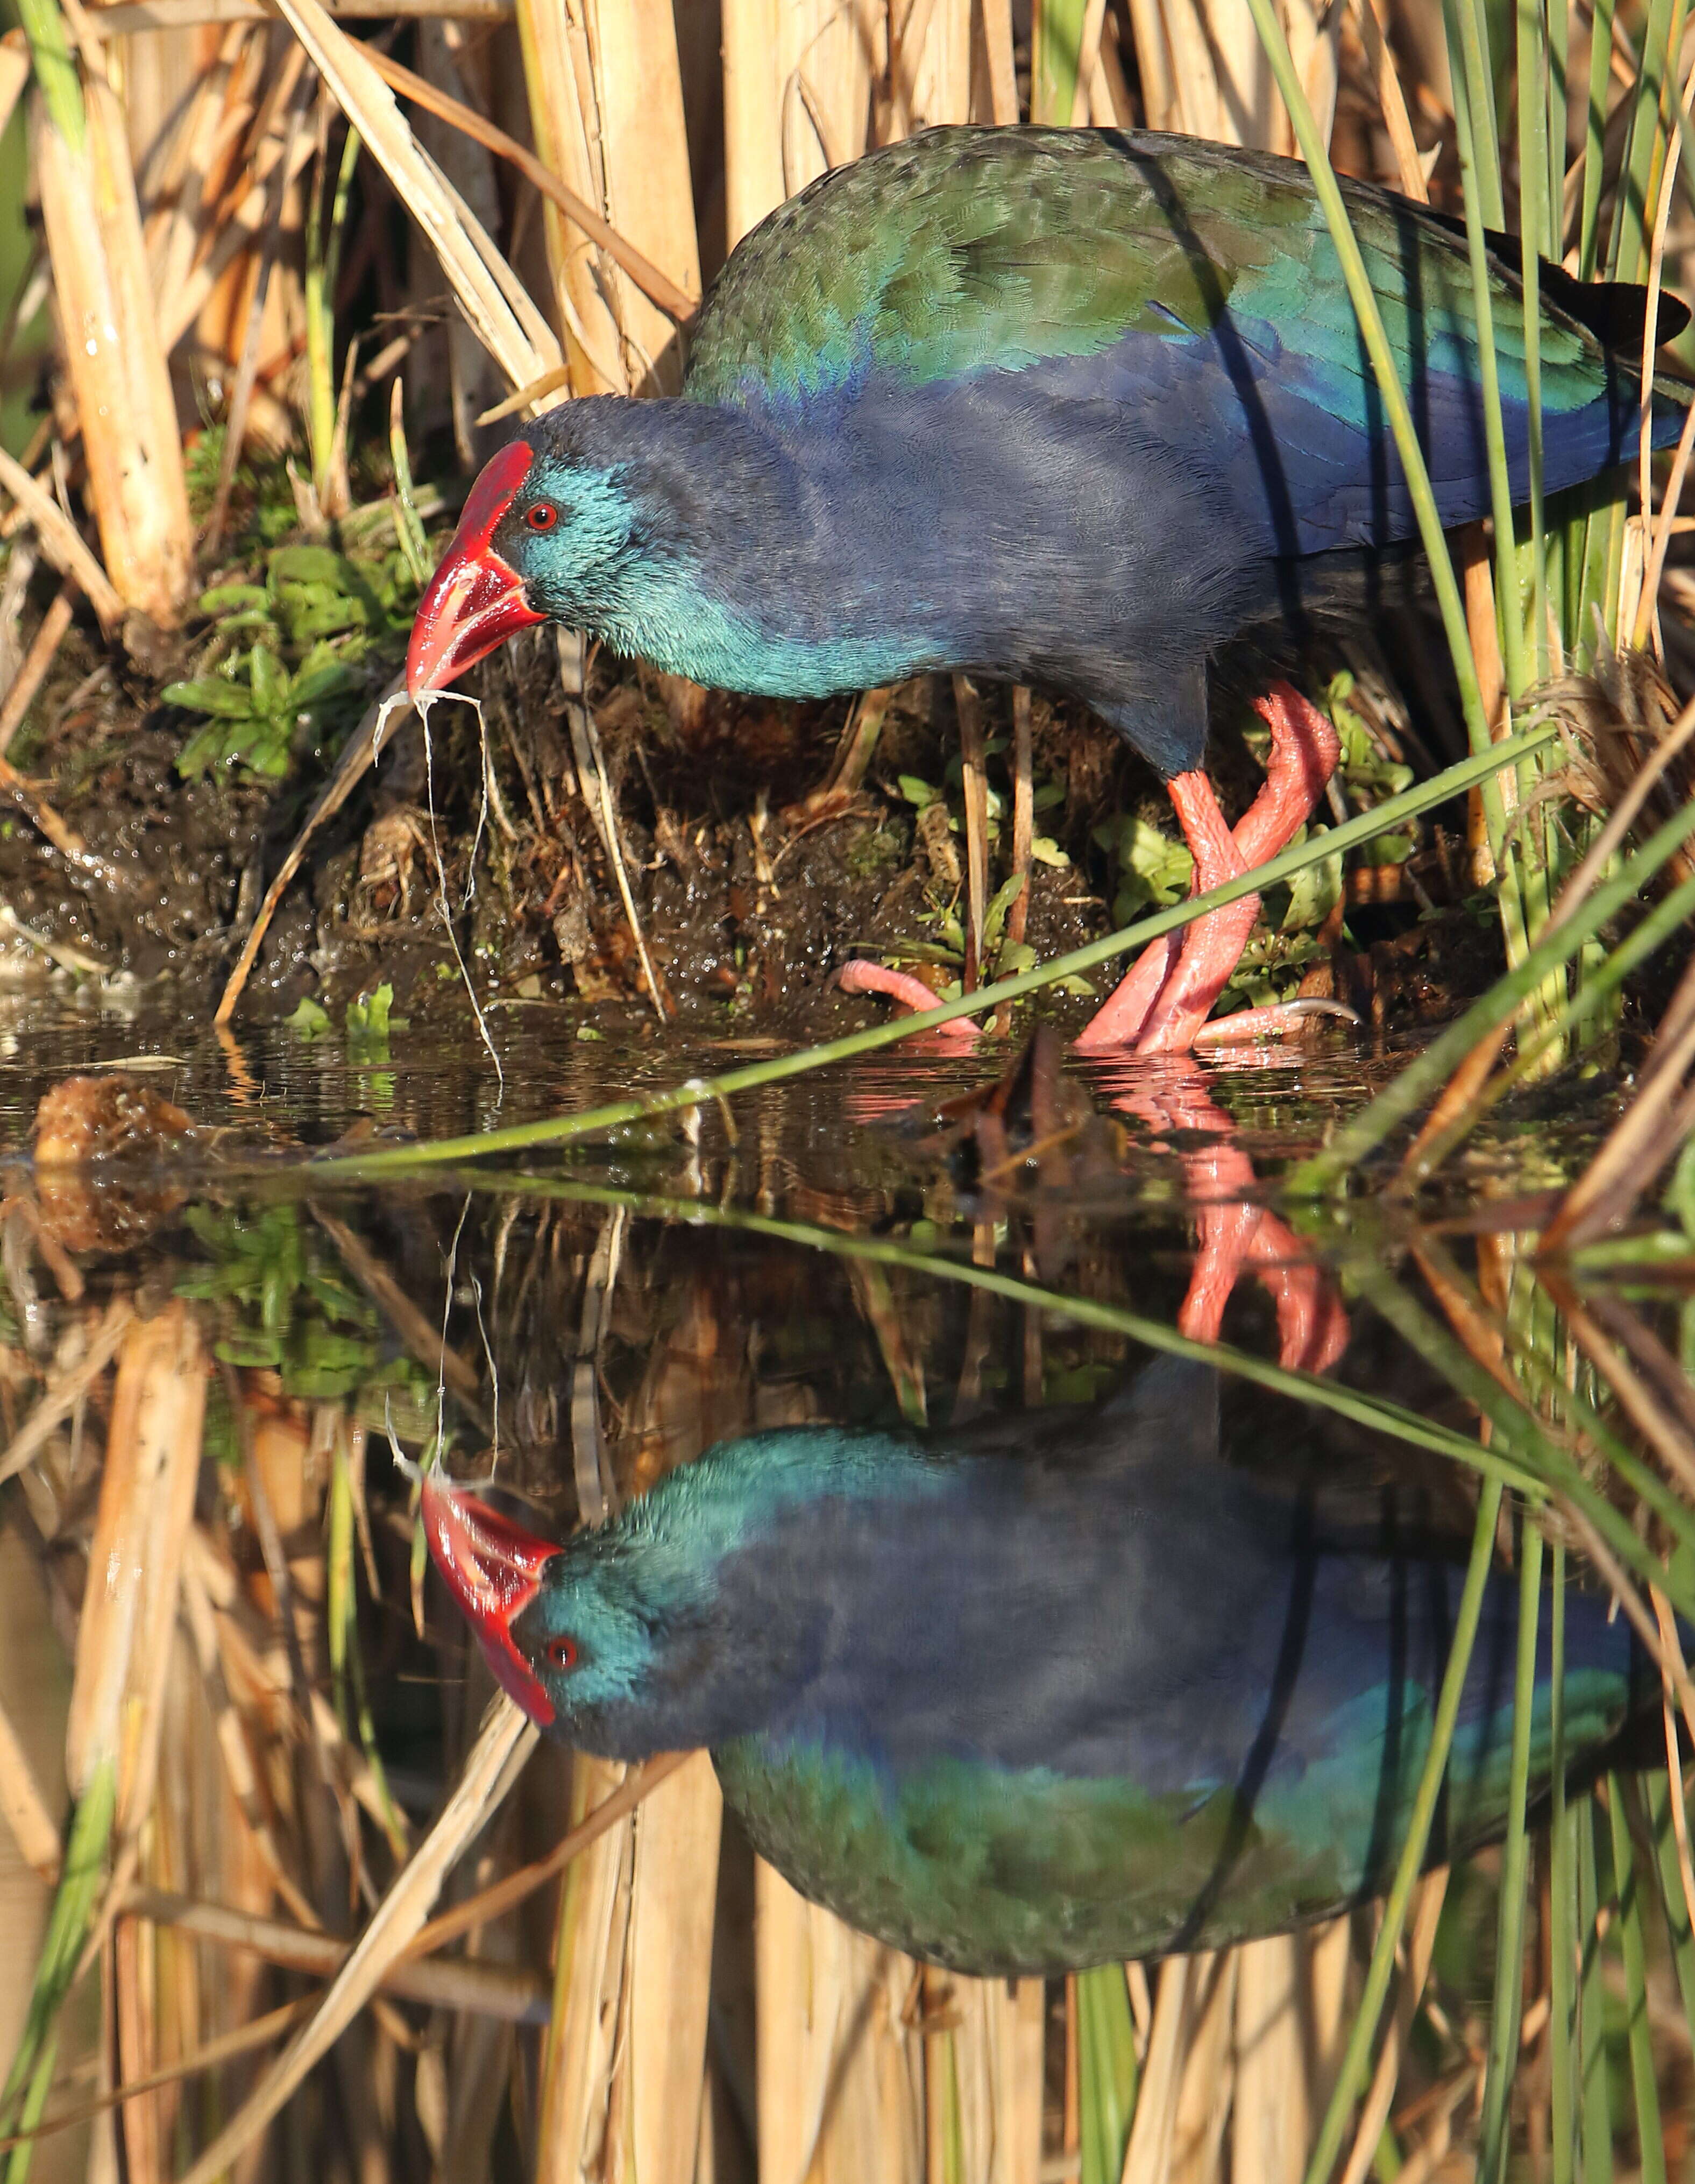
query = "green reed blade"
x=1564 y=2064
x=1395 y=405
x=1598 y=2114
x=23 y=2100
x=1502 y=2065
x=1106 y=2072
x=1058 y=32
x=1533 y=181
x=1559 y=32
x=50 y=55
x=1594 y=140
x=1645 y=159
x=1628 y=1887
x=1424 y=1077
x=1479 y=174
x=698 y=1092
x=1351 y=2077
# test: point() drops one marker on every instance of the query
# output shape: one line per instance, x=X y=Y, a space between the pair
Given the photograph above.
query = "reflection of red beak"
x=493 y=1568
x=474 y=601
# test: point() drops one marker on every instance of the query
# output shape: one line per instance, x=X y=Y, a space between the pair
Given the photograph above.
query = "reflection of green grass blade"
x=1376 y=1413
x=1564 y=2062
x=1627 y=1883
x=1351 y=2077
x=1598 y=2115
x=1504 y=2031
x=1422 y=1078
x=24 y=2100
x=564 y=1129
x=1106 y=2072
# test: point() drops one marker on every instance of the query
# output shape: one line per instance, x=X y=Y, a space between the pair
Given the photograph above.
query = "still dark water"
x=1069 y=1581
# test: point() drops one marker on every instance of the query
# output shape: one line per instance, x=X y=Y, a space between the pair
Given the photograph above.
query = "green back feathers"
x=969 y=249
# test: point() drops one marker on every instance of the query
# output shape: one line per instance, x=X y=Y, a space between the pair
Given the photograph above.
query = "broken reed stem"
x=43 y=652
x=486 y=1990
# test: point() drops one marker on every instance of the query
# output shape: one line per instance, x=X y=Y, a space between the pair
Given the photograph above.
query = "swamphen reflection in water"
x=1065 y=1689
x=1063 y=406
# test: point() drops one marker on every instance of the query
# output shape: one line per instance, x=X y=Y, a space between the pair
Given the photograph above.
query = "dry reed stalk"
x=1374 y=2112
x=1206 y=2089
x=499 y=1991
x=24 y=1806
x=114 y=357
x=1153 y=2127
x=499 y=313
x=983 y=2081
x=839 y=2076
x=798 y=79
x=43 y=650
x=14 y=73
x=975 y=794
x=669 y=1973
x=998 y=100
x=1289 y=1997
x=503 y=1739
x=65 y=1390
x=646 y=190
x=141 y=1528
x=61 y=542
x=934 y=66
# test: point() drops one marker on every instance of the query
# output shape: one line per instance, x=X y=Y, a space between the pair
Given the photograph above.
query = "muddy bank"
x=764 y=843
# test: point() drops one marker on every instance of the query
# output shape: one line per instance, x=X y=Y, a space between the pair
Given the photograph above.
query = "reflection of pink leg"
x=858 y=977
x=1232 y=1232
x=1170 y=990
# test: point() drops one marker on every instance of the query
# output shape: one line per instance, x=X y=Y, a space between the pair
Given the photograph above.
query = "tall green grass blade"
x=697 y=1092
x=1351 y=2077
x=1595 y=140
x=1474 y=108
x=1533 y=225
x=1058 y=34
x=23 y=2100
x=1395 y=404
x=50 y=54
x=1565 y=2061
x=1559 y=37
x=1598 y=2114
x=1645 y=159
x=1504 y=2032
x=1627 y=1884
x=1106 y=2072
x=322 y=268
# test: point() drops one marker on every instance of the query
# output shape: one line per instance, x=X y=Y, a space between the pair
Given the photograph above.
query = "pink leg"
x=858 y=977
x=1169 y=992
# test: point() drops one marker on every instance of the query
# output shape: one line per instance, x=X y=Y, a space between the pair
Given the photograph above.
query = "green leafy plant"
x=283 y=667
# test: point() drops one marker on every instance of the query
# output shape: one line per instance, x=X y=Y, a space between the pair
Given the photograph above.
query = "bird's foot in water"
x=1168 y=993
x=860 y=976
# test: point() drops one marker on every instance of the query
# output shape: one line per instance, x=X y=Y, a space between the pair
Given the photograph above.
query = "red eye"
x=562 y=1653
x=542 y=517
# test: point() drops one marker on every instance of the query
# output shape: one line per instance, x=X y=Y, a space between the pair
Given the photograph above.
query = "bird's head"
x=547 y=533
x=633 y=1638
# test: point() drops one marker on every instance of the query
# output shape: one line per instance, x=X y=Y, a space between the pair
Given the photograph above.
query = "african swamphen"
x=1065 y=406
x=1066 y=1688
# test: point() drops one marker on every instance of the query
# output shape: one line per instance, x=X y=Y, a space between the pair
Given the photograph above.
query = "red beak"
x=493 y=1568
x=474 y=601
